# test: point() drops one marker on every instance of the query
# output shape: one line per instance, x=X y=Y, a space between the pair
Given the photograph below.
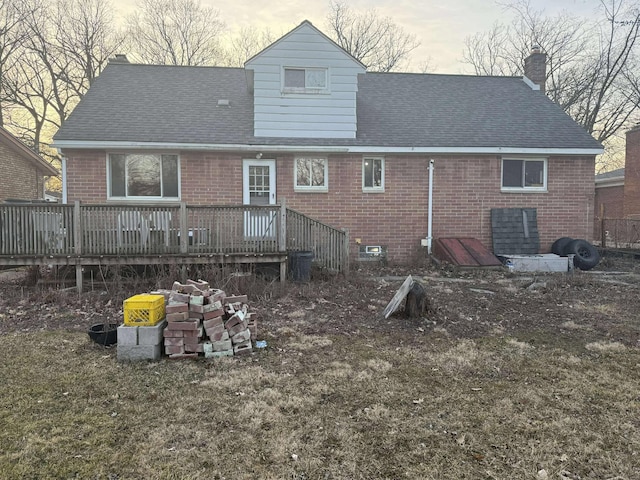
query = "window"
x=143 y=175
x=311 y=174
x=373 y=174
x=305 y=80
x=524 y=175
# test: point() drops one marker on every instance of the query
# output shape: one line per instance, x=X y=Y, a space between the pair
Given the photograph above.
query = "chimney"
x=535 y=67
x=119 y=58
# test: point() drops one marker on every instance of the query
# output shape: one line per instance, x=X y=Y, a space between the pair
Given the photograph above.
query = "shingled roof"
x=179 y=105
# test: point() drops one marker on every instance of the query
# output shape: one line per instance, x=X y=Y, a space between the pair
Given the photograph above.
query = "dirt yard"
x=507 y=376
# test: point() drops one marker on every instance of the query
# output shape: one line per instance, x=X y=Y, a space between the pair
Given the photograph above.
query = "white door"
x=259 y=189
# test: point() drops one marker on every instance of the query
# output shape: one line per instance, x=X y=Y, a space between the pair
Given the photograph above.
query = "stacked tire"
x=585 y=255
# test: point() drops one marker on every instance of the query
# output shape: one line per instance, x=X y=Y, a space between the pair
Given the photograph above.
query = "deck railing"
x=84 y=230
x=49 y=229
x=330 y=246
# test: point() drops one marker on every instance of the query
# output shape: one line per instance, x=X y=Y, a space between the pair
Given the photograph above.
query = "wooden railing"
x=618 y=232
x=125 y=230
x=49 y=229
x=330 y=246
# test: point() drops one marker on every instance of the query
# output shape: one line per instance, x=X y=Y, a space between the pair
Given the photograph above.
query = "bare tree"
x=245 y=45
x=175 y=32
x=64 y=45
x=85 y=34
x=376 y=41
x=12 y=35
x=588 y=62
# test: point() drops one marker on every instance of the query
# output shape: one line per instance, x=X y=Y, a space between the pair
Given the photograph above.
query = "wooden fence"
x=64 y=232
x=618 y=232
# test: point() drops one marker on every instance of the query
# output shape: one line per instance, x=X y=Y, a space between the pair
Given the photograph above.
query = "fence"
x=618 y=232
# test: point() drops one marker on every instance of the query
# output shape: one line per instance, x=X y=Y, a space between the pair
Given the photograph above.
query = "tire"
x=586 y=256
x=560 y=245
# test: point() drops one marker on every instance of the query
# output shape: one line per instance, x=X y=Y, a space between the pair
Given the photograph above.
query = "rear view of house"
x=304 y=121
x=22 y=171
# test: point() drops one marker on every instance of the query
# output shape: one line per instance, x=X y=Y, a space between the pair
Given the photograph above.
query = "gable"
x=304 y=85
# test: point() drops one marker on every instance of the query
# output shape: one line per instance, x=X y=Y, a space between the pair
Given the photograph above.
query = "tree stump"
x=417 y=303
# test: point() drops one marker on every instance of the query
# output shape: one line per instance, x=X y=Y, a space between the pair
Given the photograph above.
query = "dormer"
x=304 y=86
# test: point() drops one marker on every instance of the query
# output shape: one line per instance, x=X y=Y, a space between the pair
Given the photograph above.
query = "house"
x=618 y=191
x=22 y=171
x=304 y=121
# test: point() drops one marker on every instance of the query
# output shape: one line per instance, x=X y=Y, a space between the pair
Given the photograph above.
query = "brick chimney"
x=632 y=174
x=119 y=58
x=535 y=67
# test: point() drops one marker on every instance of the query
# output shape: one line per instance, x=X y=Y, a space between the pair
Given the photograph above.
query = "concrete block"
x=134 y=353
x=213 y=306
x=223 y=353
x=242 y=348
x=222 y=345
x=241 y=337
x=196 y=299
x=127 y=335
x=151 y=335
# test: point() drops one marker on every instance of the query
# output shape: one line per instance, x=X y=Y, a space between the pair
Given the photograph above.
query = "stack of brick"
x=203 y=320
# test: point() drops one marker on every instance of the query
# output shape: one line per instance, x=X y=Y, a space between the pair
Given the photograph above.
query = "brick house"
x=618 y=191
x=22 y=171
x=304 y=121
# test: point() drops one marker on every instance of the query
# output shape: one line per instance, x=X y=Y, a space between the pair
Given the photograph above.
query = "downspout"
x=430 y=208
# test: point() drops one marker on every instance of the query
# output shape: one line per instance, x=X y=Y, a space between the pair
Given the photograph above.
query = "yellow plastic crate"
x=143 y=310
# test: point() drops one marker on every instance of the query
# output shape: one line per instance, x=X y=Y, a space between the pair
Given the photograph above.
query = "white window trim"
x=374 y=189
x=305 y=91
x=311 y=189
x=142 y=199
x=542 y=189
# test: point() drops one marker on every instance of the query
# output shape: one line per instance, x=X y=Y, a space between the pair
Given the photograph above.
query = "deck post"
x=282 y=241
x=345 y=250
x=184 y=230
x=77 y=242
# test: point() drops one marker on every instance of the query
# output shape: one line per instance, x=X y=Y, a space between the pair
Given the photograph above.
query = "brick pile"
x=205 y=321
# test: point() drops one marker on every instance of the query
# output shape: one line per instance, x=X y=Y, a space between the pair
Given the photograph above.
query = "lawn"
x=508 y=377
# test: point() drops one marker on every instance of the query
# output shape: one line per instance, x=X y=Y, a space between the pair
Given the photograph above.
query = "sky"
x=441 y=26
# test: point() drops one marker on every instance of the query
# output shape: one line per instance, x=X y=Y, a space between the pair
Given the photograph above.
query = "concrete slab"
x=544 y=262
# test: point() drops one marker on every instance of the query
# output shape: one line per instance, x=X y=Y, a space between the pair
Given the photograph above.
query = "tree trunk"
x=417 y=302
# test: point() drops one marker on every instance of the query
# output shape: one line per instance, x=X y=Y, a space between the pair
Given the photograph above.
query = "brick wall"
x=632 y=174
x=466 y=188
x=20 y=178
x=611 y=200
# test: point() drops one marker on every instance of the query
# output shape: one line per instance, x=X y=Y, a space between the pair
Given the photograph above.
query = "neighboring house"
x=22 y=171
x=609 y=199
x=618 y=191
x=304 y=121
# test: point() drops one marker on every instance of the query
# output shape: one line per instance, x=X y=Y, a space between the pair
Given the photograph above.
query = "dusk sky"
x=440 y=26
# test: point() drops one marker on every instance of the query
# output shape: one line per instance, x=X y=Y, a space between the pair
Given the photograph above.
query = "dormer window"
x=305 y=80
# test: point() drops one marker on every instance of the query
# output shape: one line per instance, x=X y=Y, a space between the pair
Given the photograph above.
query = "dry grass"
x=352 y=408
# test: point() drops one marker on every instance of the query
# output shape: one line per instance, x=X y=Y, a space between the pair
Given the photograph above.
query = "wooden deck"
x=124 y=234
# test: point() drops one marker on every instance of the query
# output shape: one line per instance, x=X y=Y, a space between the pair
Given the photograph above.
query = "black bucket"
x=300 y=266
x=104 y=334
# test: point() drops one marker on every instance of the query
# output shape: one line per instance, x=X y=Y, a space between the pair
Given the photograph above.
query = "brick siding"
x=632 y=174
x=609 y=200
x=20 y=178
x=466 y=189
